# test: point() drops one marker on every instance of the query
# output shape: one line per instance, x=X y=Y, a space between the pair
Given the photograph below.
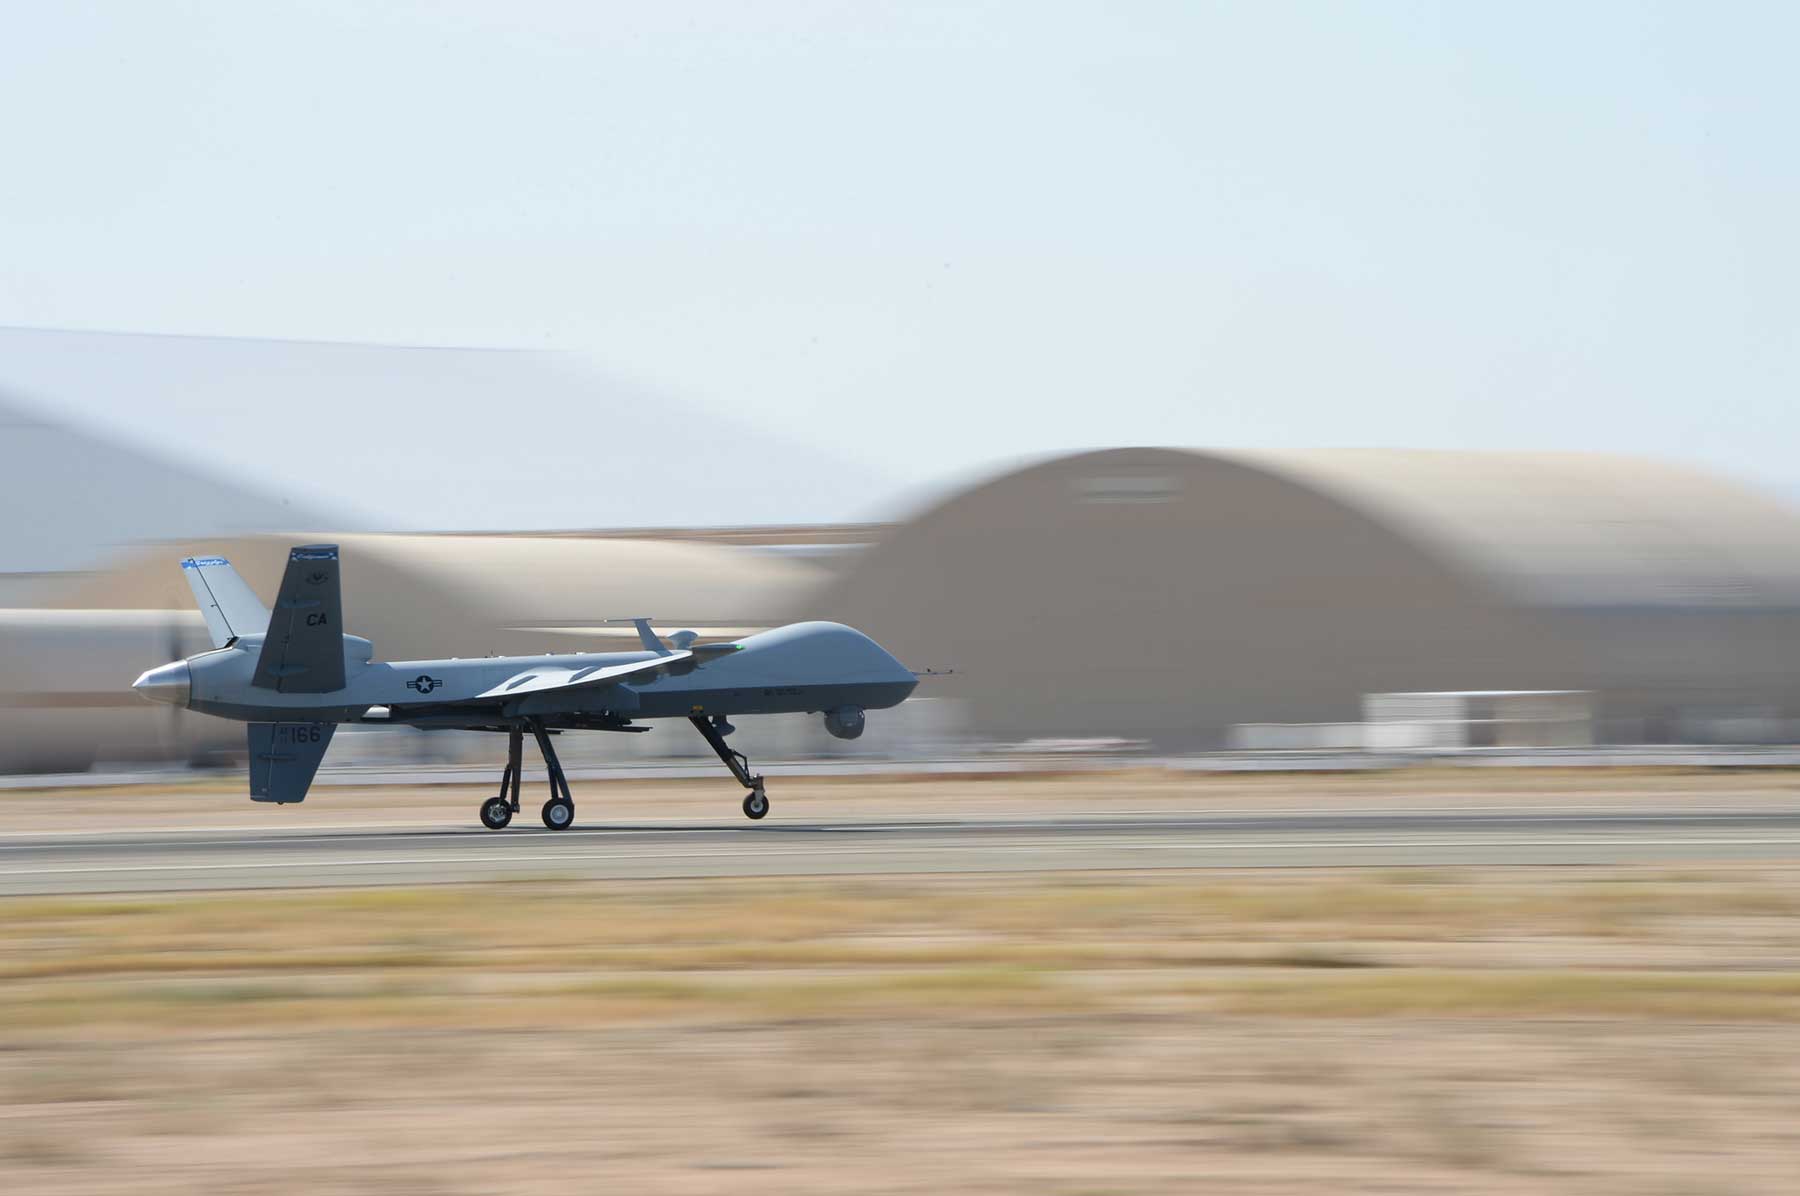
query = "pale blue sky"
x=925 y=237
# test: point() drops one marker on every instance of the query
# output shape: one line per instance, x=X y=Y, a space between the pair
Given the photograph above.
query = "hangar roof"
x=398 y=437
x=1561 y=529
x=73 y=496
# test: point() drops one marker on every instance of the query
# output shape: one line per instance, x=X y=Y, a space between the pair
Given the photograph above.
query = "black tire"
x=756 y=804
x=496 y=812
x=559 y=815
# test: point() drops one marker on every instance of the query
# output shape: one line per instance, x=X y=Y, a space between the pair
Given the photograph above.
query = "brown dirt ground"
x=1607 y=1030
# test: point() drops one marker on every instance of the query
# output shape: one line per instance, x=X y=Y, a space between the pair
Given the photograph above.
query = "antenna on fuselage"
x=651 y=641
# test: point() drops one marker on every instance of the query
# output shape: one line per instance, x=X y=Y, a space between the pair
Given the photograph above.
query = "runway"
x=187 y=859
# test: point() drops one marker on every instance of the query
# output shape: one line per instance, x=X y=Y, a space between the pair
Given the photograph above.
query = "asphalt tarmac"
x=236 y=858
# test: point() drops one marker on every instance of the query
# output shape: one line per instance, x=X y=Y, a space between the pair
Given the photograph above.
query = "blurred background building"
x=1172 y=600
x=1176 y=595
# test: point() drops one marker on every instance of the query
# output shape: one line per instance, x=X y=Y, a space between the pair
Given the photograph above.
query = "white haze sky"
x=923 y=237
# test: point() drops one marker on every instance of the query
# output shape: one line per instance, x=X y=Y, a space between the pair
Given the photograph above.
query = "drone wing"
x=544 y=680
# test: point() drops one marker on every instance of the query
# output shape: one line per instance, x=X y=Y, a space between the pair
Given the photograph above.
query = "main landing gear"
x=756 y=802
x=559 y=812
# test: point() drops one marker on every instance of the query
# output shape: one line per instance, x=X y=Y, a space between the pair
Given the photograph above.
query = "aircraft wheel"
x=559 y=815
x=496 y=812
x=756 y=804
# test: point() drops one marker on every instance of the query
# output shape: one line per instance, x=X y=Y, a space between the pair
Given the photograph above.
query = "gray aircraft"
x=294 y=676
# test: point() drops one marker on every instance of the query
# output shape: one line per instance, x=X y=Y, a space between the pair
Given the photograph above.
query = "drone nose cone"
x=170 y=683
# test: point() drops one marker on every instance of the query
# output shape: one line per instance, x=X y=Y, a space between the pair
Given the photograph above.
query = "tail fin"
x=304 y=653
x=231 y=608
x=284 y=757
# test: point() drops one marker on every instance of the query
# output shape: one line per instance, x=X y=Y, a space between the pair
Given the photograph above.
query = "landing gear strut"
x=756 y=802
x=558 y=812
x=498 y=810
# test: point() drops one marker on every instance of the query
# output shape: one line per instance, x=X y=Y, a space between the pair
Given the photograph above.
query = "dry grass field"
x=1615 y=1030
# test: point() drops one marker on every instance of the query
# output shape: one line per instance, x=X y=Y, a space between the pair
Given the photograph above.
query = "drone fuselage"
x=799 y=668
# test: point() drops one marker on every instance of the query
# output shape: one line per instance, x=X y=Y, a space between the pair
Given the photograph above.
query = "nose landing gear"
x=756 y=802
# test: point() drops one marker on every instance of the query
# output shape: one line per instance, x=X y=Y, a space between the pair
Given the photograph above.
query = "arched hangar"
x=1169 y=595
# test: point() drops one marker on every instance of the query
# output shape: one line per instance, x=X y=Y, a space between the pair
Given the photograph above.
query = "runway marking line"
x=1193 y=822
x=7 y=838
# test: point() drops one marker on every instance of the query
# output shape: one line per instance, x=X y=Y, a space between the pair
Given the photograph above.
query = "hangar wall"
x=1168 y=595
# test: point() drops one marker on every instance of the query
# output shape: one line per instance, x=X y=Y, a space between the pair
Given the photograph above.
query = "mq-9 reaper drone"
x=294 y=676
